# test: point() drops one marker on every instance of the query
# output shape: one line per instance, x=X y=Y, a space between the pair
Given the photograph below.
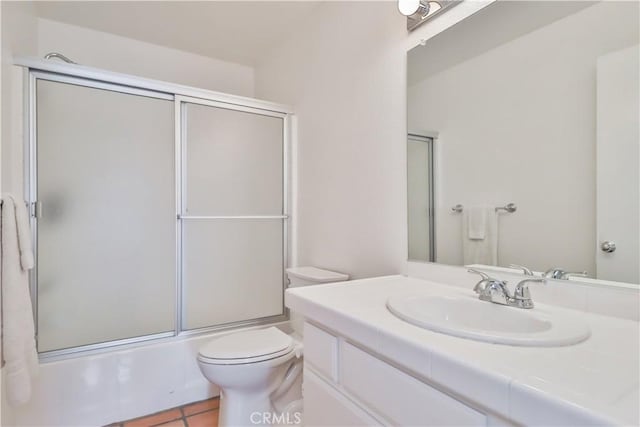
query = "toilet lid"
x=248 y=344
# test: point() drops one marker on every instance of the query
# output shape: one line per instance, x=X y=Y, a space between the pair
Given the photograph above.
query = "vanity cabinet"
x=325 y=405
x=346 y=385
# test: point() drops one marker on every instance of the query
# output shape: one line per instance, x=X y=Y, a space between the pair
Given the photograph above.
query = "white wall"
x=122 y=54
x=345 y=75
x=517 y=124
x=345 y=78
x=18 y=36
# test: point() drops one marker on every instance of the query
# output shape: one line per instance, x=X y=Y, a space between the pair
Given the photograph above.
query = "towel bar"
x=509 y=207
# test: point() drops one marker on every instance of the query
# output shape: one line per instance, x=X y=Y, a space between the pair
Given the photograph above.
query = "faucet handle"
x=524 y=269
x=522 y=296
x=522 y=290
x=487 y=284
x=484 y=276
x=523 y=282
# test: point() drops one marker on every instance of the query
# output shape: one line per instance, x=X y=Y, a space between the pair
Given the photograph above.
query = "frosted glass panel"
x=232 y=271
x=106 y=238
x=419 y=189
x=233 y=162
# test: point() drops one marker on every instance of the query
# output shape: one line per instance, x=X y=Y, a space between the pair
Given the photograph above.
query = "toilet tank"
x=305 y=276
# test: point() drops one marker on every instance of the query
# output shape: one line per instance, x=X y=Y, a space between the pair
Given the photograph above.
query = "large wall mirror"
x=528 y=116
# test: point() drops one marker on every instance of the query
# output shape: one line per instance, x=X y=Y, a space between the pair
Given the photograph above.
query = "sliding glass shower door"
x=157 y=214
x=232 y=214
x=106 y=228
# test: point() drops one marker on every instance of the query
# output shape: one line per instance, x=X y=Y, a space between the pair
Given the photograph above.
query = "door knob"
x=608 y=246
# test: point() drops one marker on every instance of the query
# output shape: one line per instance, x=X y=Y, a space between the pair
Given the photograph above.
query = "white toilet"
x=259 y=371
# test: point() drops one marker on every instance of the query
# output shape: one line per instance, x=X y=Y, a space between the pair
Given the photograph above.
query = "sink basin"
x=484 y=321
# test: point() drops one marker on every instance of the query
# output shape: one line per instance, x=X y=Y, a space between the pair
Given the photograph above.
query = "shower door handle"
x=35 y=209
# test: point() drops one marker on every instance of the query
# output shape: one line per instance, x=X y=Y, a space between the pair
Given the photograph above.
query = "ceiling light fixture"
x=411 y=7
x=418 y=11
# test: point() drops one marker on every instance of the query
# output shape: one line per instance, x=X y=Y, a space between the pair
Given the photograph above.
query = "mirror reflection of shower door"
x=420 y=190
x=106 y=233
x=233 y=217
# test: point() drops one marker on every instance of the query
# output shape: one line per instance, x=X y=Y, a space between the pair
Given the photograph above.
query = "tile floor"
x=197 y=414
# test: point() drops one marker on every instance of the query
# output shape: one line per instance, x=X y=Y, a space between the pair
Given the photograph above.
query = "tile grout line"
x=169 y=421
x=202 y=412
x=183 y=416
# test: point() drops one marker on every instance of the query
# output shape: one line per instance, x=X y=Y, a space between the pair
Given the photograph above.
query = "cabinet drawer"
x=325 y=406
x=321 y=351
x=398 y=397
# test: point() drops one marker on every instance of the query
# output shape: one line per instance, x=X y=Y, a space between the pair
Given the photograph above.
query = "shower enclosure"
x=158 y=210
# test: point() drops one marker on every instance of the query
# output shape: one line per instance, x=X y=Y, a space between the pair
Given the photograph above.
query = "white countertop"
x=595 y=382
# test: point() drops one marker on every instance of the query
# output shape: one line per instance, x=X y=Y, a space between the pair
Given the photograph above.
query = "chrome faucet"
x=497 y=292
x=559 y=273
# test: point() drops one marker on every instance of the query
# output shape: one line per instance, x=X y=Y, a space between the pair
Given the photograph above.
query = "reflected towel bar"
x=510 y=207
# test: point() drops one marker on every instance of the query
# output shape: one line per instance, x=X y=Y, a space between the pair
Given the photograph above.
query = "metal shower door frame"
x=98 y=79
x=181 y=183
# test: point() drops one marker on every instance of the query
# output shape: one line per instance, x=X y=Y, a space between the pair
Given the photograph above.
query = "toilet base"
x=242 y=409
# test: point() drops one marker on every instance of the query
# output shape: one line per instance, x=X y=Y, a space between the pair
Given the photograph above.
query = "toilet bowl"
x=254 y=370
x=259 y=372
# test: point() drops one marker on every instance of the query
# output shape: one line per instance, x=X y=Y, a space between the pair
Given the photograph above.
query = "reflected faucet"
x=524 y=269
x=559 y=273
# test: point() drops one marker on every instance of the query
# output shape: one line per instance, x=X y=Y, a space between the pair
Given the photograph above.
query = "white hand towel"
x=476 y=222
x=480 y=250
x=18 y=332
x=24 y=235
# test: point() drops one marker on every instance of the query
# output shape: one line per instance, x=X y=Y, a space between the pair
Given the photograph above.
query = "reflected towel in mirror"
x=476 y=217
x=480 y=235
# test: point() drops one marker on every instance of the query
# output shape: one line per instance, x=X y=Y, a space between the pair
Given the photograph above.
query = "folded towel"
x=18 y=331
x=480 y=244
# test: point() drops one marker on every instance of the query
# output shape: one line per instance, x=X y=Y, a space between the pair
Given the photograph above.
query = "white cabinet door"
x=325 y=406
x=398 y=397
x=321 y=351
x=618 y=179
